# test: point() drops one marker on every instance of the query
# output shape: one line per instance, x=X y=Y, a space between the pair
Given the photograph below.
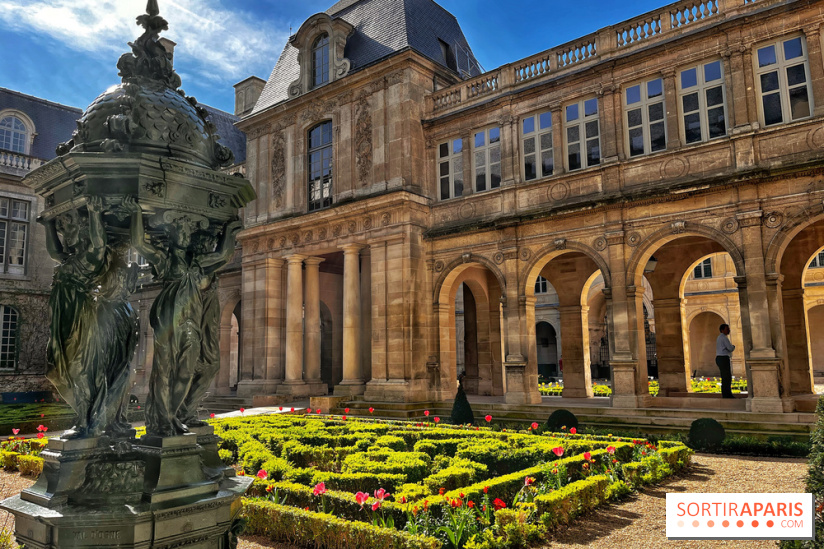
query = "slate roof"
x=229 y=135
x=53 y=122
x=382 y=28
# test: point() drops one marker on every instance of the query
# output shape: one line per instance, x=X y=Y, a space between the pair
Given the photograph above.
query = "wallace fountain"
x=141 y=172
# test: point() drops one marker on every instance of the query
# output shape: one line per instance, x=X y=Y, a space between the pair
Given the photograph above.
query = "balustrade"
x=17 y=161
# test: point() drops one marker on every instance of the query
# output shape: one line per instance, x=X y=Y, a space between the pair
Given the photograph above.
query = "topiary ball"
x=561 y=418
x=706 y=433
x=461 y=411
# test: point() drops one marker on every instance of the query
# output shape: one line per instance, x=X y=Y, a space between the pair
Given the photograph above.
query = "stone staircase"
x=217 y=404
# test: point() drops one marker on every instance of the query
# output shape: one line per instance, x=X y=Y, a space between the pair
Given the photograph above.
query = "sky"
x=67 y=50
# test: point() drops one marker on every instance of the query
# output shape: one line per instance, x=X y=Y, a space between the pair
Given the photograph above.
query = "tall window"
x=783 y=79
x=818 y=261
x=645 y=117
x=541 y=285
x=487 y=154
x=450 y=168
x=536 y=138
x=14 y=225
x=702 y=102
x=320 y=61
x=583 y=134
x=703 y=269
x=8 y=338
x=13 y=134
x=320 y=166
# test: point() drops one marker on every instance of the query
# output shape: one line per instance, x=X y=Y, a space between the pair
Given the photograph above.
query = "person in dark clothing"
x=723 y=356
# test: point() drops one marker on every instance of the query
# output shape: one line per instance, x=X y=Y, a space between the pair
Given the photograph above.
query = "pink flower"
x=426 y=413
x=381 y=494
x=558 y=451
x=262 y=474
x=15 y=431
x=212 y=414
x=42 y=415
x=320 y=489
x=611 y=449
x=361 y=498
x=45 y=429
x=40 y=427
x=587 y=456
x=534 y=426
x=437 y=419
x=376 y=505
x=573 y=430
x=488 y=418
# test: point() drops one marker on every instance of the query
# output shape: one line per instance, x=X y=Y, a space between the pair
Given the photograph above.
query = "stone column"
x=673 y=375
x=671 y=106
x=311 y=323
x=813 y=33
x=352 y=383
x=558 y=153
x=577 y=375
x=294 y=384
x=611 y=129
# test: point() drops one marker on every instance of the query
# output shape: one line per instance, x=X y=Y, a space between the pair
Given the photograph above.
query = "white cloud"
x=212 y=41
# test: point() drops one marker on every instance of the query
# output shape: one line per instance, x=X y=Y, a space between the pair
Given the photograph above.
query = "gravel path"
x=635 y=523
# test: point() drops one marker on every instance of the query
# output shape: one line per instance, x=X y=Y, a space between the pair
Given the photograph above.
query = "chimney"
x=247 y=93
x=168 y=45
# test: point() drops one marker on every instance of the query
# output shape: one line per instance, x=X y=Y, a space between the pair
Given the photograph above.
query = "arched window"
x=13 y=134
x=8 y=338
x=320 y=61
x=320 y=166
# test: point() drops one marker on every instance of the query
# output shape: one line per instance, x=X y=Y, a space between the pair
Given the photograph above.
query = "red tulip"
x=15 y=431
x=573 y=430
x=212 y=414
x=346 y=410
x=318 y=410
x=371 y=409
x=426 y=413
x=242 y=410
x=320 y=489
x=280 y=408
x=437 y=419
x=611 y=449
x=262 y=474
x=40 y=435
x=361 y=498
x=558 y=451
x=42 y=415
x=292 y=410
x=587 y=456
x=534 y=426
x=344 y=418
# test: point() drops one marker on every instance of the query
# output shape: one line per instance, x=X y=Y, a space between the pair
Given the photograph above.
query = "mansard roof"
x=53 y=122
x=382 y=28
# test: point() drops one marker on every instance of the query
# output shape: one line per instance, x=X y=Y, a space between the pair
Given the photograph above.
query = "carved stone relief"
x=363 y=140
x=278 y=169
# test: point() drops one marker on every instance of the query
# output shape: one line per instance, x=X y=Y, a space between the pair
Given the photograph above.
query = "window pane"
x=796 y=75
x=692 y=128
x=799 y=103
x=444 y=169
x=457 y=175
x=443 y=150
x=494 y=135
x=634 y=118
x=480 y=159
x=655 y=88
x=546 y=141
x=547 y=164
x=529 y=145
x=528 y=125
x=636 y=142
x=769 y=82
x=772 y=109
x=712 y=71
x=574 y=134
x=766 y=56
x=444 y=188
x=689 y=78
x=480 y=179
x=656 y=112
x=4 y=207
x=457 y=146
x=690 y=102
x=633 y=94
x=3 y=226
x=593 y=152
x=590 y=107
x=716 y=122
x=572 y=112
x=592 y=129
x=495 y=155
x=658 y=141
x=715 y=96
x=574 y=156
x=793 y=49
x=546 y=120
x=495 y=175
x=530 y=169
x=480 y=139
x=17 y=244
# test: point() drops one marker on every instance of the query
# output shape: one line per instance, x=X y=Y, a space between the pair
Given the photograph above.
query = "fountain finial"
x=151 y=8
x=149 y=58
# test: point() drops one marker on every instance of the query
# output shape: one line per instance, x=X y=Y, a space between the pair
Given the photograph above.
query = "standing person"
x=723 y=356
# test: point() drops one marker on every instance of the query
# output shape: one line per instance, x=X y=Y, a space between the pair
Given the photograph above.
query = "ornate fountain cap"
x=147 y=112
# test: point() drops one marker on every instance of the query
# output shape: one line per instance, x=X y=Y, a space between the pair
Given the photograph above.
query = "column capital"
x=313 y=260
x=294 y=258
x=774 y=279
x=740 y=281
x=811 y=29
x=352 y=248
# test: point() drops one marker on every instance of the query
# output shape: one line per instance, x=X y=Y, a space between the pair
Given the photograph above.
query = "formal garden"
x=710 y=385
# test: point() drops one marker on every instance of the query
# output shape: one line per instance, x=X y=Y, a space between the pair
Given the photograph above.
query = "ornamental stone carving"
x=634 y=238
x=363 y=140
x=278 y=169
x=338 y=31
x=439 y=266
x=600 y=244
x=367 y=223
x=386 y=219
x=282 y=242
x=729 y=225
x=498 y=258
x=294 y=239
x=336 y=230
x=322 y=233
x=561 y=244
x=558 y=192
x=307 y=236
x=774 y=220
x=678 y=227
x=352 y=227
x=525 y=254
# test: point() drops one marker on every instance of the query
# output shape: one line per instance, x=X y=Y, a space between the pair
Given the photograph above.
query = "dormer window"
x=320 y=42
x=320 y=61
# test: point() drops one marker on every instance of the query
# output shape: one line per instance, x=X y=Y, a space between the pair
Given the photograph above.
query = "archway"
x=327 y=370
x=815 y=317
x=479 y=288
x=703 y=332
x=230 y=349
x=547 y=346
x=665 y=261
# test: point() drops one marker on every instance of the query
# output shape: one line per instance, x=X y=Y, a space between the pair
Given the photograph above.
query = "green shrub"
x=414 y=465
x=462 y=472
x=560 y=419
x=308 y=529
x=226 y=456
x=461 y=410
x=561 y=506
x=9 y=460
x=30 y=465
x=706 y=433
x=412 y=492
x=389 y=441
x=360 y=482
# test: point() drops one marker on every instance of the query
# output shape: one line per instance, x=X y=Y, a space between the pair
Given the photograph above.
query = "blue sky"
x=66 y=50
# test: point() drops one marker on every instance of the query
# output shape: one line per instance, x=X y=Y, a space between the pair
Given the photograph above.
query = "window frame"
x=7 y=221
x=581 y=122
x=780 y=66
x=541 y=285
x=644 y=104
x=537 y=134
x=323 y=202
x=487 y=149
x=702 y=267
x=449 y=160
x=817 y=262
x=15 y=344
x=326 y=50
x=701 y=88
x=27 y=123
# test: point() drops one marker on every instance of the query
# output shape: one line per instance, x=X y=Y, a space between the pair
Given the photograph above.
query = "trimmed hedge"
x=308 y=529
x=359 y=482
x=561 y=506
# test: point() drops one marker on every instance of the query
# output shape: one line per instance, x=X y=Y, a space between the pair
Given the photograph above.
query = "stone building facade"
x=392 y=174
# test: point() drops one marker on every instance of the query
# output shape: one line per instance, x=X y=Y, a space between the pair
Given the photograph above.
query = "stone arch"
x=548 y=253
x=780 y=240
x=221 y=384
x=454 y=269
x=702 y=328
